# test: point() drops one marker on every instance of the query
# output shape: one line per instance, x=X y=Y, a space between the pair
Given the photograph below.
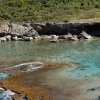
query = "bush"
x=40 y=10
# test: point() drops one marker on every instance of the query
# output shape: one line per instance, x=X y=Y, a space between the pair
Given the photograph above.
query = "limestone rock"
x=8 y=37
x=84 y=35
x=26 y=38
x=3 y=39
x=15 y=38
x=54 y=38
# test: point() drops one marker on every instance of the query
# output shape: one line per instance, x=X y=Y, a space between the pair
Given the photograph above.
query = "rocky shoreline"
x=27 y=90
x=51 y=31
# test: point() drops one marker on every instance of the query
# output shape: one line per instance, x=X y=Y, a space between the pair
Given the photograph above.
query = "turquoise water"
x=84 y=54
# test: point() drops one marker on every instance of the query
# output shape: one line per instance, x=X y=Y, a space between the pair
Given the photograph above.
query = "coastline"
x=19 y=82
x=51 y=31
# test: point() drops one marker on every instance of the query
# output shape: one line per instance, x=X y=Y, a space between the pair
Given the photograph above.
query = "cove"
x=85 y=55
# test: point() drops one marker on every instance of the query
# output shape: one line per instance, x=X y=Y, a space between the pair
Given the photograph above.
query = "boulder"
x=26 y=38
x=31 y=32
x=17 y=29
x=8 y=37
x=15 y=38
x=74 y=38
x=54 y=38
x=22 y=30
x=4 y=28
x=84 y=35
x=62 y=37
x=45 y=37
x=3 y=39
x=37 y=38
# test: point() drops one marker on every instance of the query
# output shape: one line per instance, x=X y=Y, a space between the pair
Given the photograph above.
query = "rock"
x=8 y=37
x=2 y=34
x=3 y=39
x=37 y=38
x=32 y=32
x=15 y=38
x=45 y=37
x=74 y=38
x=62 y=37
x=84 y=35
x=25 y=38
x=4 y=27
x=54 y=38
x=21 y=30
x=17 y=29
x=69 y=35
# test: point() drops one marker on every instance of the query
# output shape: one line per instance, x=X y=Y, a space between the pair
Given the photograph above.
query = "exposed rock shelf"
x=49 y=30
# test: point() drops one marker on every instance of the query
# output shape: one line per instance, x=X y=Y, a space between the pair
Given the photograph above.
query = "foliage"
x=43 y=10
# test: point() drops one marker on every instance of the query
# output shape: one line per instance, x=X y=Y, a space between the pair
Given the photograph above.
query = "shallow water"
x=84 y=54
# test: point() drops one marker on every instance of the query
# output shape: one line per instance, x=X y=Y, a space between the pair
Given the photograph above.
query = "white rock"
x=3 y=39
x=84 y=35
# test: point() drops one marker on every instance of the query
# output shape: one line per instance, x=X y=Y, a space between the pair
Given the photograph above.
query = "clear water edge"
x=85 y=55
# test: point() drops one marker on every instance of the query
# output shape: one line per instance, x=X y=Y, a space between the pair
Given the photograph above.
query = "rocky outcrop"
x=62 y=28
x=49 y=31
x=84 y=35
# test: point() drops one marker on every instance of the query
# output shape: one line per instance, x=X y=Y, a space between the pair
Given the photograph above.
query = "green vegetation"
x=43 y=10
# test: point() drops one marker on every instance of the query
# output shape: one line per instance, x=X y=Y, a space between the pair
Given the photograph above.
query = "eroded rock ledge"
x=49 y=30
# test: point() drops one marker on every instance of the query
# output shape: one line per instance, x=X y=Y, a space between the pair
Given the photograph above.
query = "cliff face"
x=51 y=28
x=64 y=27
